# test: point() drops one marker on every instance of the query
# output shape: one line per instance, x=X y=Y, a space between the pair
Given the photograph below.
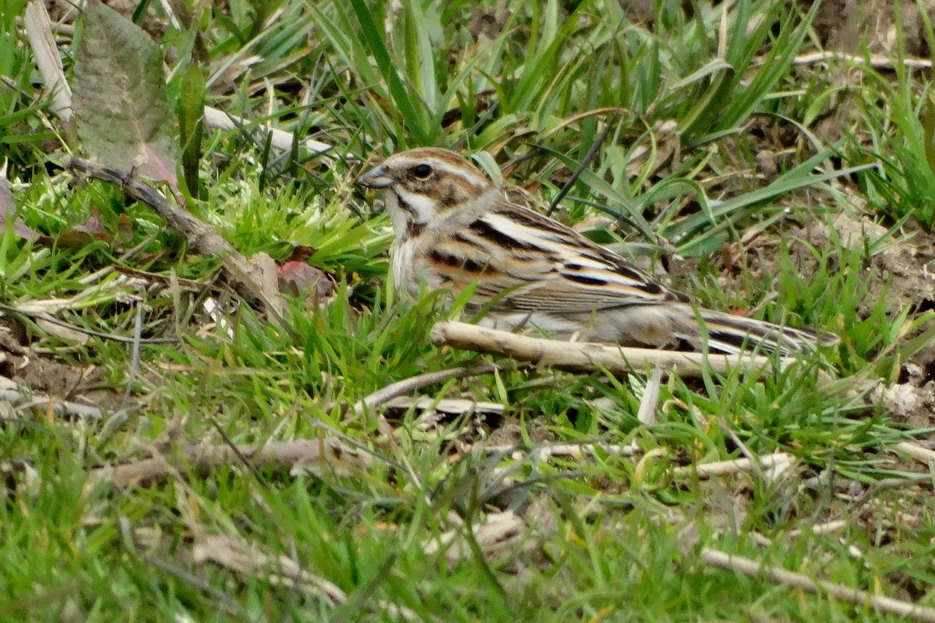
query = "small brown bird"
x=454 y=228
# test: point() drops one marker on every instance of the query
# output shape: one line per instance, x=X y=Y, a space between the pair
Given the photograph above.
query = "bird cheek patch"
x=414 y=229
x=452 y=196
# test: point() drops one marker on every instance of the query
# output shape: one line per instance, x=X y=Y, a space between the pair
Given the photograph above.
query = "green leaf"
x=190 y=108
x=410 y=107
x=928 y=131
x=123 y=116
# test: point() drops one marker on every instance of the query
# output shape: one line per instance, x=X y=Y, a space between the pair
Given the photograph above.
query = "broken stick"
x=254 y=282
x=203 y=460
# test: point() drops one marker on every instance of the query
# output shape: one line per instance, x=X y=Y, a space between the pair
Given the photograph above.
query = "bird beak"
x=375 y=178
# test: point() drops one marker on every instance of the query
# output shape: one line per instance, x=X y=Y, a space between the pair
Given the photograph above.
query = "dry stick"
x=58 y=28
x=418 y=382
x=246 y=277
x=279 y=139
x=134 y=357
x=49 y=403
x=204 y=459
x=752 y=568
x=585 y=162
x=586 y=356
x=224 y=601
x=251 y=561
x=828 y=527
x=575 y=450
x=736 y=466
x=877 y=61
x=230 y=444
x=907 y=480
x=917 y=452
x=104 y=336
x=755 y=460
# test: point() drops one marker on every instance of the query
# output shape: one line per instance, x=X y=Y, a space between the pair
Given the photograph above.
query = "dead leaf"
x=81 y=235
x=646 y=159
x=300 y=279
x=63 y=332
x=251 y=561
x=448 y=406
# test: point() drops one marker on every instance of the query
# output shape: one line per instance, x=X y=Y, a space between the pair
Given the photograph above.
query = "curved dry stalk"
x=418 y=382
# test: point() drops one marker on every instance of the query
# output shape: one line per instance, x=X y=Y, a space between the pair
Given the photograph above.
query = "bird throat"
x=410 y=212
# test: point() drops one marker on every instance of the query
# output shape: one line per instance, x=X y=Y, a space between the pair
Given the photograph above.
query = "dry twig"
x=418 y=382
x=828 y=527
x=877 y=61
x=248 y=562
x=253 y=282
x=279 y=139
x=22 y=398
x=42 y=317
x=586 y=356
x=496 y=535
x=779 y=460
x=917 y=452
x=202 y=460
x=575 y=451
x=39 y=32
x=752 y=568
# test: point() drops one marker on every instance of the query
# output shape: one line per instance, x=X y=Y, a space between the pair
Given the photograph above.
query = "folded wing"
x=543 y=267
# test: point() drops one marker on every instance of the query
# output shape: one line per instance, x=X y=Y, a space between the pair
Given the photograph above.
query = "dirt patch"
x=912 y=397
x=848 y=26
x=913 y=400
x=38 y=375
x=899 y=273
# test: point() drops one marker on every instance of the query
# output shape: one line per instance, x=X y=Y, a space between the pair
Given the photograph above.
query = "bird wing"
x=523 y=261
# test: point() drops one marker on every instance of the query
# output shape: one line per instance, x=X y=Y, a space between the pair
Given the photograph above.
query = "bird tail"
x=730 y=334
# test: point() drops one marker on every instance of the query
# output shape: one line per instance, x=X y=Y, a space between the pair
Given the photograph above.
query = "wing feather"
x=544 y=266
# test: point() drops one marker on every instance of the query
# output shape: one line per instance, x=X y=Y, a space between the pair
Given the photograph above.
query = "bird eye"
x=422 y=171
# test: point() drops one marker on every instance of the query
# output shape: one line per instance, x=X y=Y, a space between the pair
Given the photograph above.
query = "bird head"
x=424 y=185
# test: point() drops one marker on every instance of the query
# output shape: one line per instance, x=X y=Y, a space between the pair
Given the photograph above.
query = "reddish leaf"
x=93 y=225
x=83 y=234
x=300 y=279
x=126 y=228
